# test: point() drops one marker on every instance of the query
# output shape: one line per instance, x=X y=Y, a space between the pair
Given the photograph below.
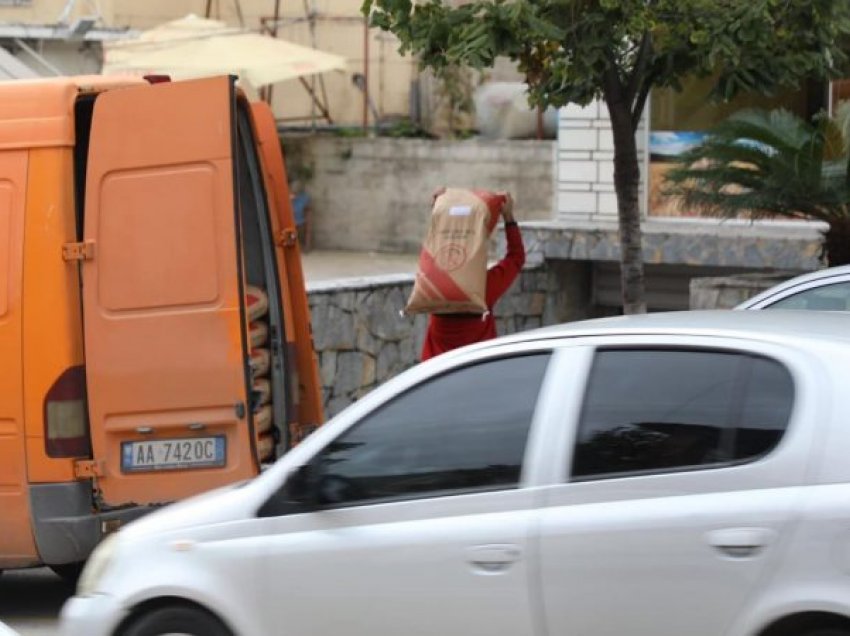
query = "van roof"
x=38 y=113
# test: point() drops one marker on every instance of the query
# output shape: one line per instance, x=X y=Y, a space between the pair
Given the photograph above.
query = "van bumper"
x=65 y=528
x=97 y=615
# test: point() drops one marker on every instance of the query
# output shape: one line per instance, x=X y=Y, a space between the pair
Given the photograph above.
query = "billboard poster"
x=665 y=146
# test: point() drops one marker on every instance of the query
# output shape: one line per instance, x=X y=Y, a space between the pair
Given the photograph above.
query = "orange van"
x=135 y=220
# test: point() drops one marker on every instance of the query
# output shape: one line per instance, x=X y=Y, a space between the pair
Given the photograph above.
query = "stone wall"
x=374 y=194
x=726 y=292
x=361 y=339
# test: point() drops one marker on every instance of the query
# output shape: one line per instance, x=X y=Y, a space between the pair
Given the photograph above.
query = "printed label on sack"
x=460 y=210
x=451 y=257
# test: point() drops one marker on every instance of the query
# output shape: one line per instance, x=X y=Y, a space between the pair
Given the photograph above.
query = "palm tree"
x=773 y=163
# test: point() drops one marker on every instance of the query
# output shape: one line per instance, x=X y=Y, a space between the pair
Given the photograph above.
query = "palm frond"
x=766 y=163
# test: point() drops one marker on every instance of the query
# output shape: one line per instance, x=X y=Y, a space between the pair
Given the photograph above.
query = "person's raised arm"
x=504 y=273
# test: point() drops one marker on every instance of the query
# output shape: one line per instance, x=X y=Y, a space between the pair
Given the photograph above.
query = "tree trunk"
x=836 y=243
x=626 y=184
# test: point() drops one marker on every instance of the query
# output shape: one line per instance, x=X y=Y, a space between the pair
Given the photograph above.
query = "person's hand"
x=437 y=193
x=508 y=207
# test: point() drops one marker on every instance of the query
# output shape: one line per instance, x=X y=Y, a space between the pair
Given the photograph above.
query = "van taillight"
x=66 y=418
x=153 y=78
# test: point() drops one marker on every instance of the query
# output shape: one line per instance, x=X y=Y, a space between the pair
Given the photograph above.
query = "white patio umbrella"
x=198 y=47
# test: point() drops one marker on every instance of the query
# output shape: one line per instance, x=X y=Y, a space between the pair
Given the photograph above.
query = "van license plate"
x=174 y=454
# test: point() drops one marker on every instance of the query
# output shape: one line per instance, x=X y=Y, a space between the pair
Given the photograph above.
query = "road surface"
x=30 y=601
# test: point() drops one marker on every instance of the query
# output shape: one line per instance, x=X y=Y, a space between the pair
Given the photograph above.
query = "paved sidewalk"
x=324 y=265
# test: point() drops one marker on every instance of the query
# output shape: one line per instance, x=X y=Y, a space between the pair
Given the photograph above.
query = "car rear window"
x=648 y=411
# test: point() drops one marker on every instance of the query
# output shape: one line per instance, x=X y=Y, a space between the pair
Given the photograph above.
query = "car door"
x=164 y=337
x=676 y=494
x=423 y=521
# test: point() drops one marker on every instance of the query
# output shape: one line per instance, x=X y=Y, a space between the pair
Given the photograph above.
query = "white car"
x=5 y=630
x=823 y=290
x=665 y=475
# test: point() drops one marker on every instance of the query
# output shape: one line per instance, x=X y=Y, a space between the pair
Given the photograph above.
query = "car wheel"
x=176 y=619
x=68 y=572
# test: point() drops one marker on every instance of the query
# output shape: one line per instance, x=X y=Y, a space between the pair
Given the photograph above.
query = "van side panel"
x=17 y=547
x=164 y=331
x=299 y=335
x=53 y=332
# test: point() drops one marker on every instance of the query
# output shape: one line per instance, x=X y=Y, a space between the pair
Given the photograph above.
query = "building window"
x=679 y=119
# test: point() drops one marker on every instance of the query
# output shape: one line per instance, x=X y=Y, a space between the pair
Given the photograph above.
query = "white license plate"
x=171 y=454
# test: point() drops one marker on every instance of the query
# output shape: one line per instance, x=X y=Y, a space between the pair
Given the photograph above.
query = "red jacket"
x=450 y=331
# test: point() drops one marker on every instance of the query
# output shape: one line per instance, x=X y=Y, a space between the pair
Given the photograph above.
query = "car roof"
x=825 y=275
x=774 y=325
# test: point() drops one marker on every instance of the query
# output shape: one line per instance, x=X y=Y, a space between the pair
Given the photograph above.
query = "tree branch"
x=641 y=60
x=639 y=102
x=612 y=83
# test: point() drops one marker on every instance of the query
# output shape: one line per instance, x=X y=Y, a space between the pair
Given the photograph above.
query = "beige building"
x=40 y=34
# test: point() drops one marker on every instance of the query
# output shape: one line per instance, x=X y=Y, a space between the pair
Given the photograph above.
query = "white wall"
x=585 y=171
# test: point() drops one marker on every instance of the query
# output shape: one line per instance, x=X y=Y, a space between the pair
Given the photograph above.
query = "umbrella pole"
x=365 y=73
x=267 y=92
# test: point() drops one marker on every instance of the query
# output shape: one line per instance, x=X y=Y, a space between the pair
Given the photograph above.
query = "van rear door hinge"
x=287 y=238
x=88 y=468
x=78 y=251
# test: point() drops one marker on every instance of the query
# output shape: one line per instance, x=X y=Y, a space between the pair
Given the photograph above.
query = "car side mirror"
x=299 y=493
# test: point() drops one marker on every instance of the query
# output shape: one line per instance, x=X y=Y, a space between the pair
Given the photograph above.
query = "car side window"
x=464 y=431
x=655 y=411
x=835 y=297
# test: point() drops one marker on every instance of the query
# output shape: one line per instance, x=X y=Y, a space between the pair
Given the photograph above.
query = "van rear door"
x=162 y=288
x=299 y=337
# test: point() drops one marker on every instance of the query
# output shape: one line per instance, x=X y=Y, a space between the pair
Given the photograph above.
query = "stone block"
x=726 y=292
x=333 y=328
x=532 y=322
x=567 y=124
x=606 y=140
x=575 y=155
x=575 y=111
x=366 y=341
x=576 y=202
x=577 y=171
x=606 y=172
x=536 y=304
x=408 y=352
x=353 y=370
x=608 y=202
x=384 y=319
x=577 y=139
x=337 y=404
x=389 y=362
x=327 y=368
x=346 y=300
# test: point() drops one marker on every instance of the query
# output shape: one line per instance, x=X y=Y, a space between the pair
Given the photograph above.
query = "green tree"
x=574 y=51
x=769 y=164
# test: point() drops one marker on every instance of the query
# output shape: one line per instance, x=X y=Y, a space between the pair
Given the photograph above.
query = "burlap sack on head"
x=452 y=275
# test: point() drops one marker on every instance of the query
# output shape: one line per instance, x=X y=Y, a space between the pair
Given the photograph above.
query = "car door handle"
x=740 y=542
x=493 y=558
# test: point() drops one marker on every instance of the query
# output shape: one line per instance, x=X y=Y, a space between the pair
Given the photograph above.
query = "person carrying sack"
x=447 y=331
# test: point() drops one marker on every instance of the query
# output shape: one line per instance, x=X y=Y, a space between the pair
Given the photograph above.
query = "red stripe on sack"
x=494 y=203
x=440 y=279
x=426 y=287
